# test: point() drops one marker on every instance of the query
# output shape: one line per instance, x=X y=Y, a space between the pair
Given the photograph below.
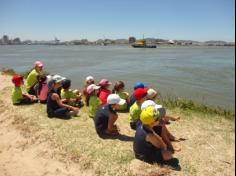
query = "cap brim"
x=162 y=112
x=121 y=102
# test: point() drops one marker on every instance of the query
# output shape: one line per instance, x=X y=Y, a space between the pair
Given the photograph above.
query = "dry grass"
x=208 y=150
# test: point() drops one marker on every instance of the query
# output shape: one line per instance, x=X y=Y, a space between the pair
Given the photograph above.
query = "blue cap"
x=139 y=85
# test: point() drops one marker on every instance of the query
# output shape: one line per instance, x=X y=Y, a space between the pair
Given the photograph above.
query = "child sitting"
x=69 y=96
x=104 y=91
x=92 y=100
x=42 y=89
x=119 y=89
x=31 y=79
x=152 y=95
x=140 y=96
x=19 y=98
x=136 y=86
x=88 y=81
x=106 y=116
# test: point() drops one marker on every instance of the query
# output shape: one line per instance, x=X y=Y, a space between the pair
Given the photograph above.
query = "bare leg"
x=111 y=122
x=167 y=136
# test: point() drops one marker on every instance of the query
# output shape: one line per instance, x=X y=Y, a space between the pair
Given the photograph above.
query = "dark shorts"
x=25 y=101
x=155 y=157
x=32 y=91
x=134 y=125
x=62 y=113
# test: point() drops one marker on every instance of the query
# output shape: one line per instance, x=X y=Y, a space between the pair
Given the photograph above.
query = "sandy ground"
x=26 y=156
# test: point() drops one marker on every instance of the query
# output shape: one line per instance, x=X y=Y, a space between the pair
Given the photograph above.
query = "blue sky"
x=199 y=20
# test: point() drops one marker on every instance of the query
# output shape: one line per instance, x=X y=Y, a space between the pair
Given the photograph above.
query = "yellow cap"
x=149 y=115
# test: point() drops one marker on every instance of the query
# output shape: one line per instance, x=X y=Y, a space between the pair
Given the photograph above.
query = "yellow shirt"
x=16 y=95
x=31 y=79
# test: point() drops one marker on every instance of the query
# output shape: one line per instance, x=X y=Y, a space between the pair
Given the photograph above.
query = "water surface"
x=203 y=74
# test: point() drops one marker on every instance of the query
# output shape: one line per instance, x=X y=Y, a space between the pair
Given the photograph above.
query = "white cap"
x=89 y=78
x=148 y=103
x=92 y=87
x=115 y=99
x=49 y=78
x=151 y=93
x=58 y=78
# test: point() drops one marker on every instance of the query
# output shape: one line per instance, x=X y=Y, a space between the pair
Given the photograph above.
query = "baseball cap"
x=148 y=103
x=58 y=78
x=139 y=85
x=89 y=78
x=151 y=93
x=115 y=99
x=38 y=64
x=104 y=82
x=16 y=79
x=66 y=83
x=92 y=87
x=140 y=93
x=149 y=115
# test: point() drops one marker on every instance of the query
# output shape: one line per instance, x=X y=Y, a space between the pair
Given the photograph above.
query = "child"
x=148 y=103
x=42 y=89
x=104 y=91
x=140 y=96
x=69 y=96
x=152 y=95
x=88 y=81
x=136 y=86
x=92 y=100
x=55 y=107
x=31 y=79
x=19 y=98
x=119 y=90
x=106 y=116
x=149 y=142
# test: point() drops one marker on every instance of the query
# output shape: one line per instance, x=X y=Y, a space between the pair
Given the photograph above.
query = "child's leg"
x=167 y=137
x=172 y=118
x=25 y=101
x=62 y=113
x=111 y=121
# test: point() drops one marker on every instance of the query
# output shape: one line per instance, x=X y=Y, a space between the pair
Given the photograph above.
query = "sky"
x=199 y=20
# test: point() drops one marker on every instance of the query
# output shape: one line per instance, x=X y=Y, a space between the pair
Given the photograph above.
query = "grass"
x=208 y=150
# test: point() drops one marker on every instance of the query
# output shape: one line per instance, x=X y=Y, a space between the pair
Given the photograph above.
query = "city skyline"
x=70 y=20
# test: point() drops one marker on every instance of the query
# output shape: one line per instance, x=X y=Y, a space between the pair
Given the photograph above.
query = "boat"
x=142 y=44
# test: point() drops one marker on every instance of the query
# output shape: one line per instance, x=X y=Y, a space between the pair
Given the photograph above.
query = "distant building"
x=16 y=41
x=5 y=40
x=171 y=42
x=132 y=39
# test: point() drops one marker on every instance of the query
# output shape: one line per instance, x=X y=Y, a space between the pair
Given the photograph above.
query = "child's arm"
x=172 y=118
x=31 y=97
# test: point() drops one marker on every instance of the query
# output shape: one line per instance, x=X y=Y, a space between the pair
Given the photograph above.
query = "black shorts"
x=62 y=113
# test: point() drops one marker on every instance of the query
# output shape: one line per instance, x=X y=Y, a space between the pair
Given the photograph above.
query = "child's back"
x=94 y=103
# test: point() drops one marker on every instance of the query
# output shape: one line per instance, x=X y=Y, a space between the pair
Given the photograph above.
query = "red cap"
x=16 y=79
x=140 y=93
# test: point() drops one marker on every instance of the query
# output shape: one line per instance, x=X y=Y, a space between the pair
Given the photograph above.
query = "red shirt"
x=104 y=93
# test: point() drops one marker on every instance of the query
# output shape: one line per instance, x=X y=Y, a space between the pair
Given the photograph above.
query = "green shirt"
x=31 y=79
x=68 y=94
x=94 y=103
x=16 y=95
x=125 y=96
x=134 y=112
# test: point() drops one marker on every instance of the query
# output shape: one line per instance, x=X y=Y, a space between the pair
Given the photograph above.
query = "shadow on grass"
x=120 y=137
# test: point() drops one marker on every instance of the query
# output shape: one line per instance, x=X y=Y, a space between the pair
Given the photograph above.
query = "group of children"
x=152 y=140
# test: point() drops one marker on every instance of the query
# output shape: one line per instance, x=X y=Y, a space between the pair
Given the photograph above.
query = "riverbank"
x=32 y=144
